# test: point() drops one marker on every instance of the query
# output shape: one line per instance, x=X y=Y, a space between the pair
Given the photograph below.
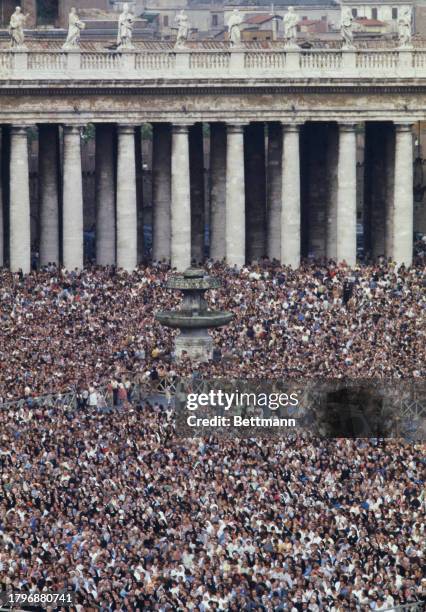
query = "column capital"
x=19 y=130
x=291 y=127
x=236 y=127
x=125 y=128
x=72 y=129
x=181 y=128
x=348 y=127
x=403 y=127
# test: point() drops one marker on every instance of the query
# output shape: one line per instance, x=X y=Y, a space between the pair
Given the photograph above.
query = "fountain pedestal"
x=197 y=344
x=193 y=319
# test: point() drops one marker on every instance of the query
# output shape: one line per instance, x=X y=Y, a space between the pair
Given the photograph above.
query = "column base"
x=197 y=345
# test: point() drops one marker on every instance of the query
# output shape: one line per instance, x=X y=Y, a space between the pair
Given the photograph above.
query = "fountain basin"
x=186 y=320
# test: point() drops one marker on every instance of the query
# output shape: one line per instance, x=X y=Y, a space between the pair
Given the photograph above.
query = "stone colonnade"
x=261 y=202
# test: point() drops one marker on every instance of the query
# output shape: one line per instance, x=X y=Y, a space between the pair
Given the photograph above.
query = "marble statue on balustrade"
x=405 y=28
x=234 y=23
x=290 y=22
x=125 y=29
x=74 y=28
x=347 y=28
x=183 y=30
x=16 y=29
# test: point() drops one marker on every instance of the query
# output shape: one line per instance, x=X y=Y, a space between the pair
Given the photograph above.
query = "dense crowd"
x=63 y=331
x=111 y=504
x=118 y=509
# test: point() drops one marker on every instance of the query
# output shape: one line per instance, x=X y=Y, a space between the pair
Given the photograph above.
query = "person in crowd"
x=128 y=516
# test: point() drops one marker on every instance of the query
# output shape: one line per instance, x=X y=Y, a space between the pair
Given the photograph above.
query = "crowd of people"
x=120 y=511
x=105 y=500
x=63 y=331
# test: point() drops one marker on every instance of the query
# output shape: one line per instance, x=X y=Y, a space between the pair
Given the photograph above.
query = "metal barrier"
x=411 y=409
x=49 y=399
x=165 y=385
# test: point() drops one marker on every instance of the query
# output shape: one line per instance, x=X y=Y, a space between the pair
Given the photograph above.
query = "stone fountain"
x=193 y=319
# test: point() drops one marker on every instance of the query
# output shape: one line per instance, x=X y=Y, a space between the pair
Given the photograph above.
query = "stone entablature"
x=213 y=63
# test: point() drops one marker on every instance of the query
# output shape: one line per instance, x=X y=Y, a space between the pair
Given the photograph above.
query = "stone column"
x=403 y=196
x=290 y=207
x=235 y=231
x=161 y=191
x=196 y=162
x=255 y=191
x=346 y=195
x=72 y=210
x=126 y=199
x=181 y=200
x=48 y=159
x=274 y=186
x=19 y=212
x=105 y=195
x=217 y=191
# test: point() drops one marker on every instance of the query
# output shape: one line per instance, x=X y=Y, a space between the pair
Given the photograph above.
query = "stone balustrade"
x=199 y=63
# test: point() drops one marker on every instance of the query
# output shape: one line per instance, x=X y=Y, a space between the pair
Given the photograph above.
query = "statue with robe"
x=290 y=22
x=16 y=29
x=405 y=28
x=347 y=28
x=183 y=29
x=234 y=22
x=74 y=28
x=125 y=28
